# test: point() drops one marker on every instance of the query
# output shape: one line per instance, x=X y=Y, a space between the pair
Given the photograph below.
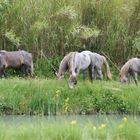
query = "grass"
x=46 y=96
x=124 y=128
x=52 y=97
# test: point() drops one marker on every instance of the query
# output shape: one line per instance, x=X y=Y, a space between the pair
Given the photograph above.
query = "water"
x=80 y=119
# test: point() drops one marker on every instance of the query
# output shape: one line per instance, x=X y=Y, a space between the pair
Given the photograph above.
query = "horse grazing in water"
x=131 y=67
x=75 y=61
x=21 y=60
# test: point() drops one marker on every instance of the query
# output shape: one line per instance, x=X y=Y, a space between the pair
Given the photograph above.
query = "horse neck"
x=64 y=64
x=125 y=68
x=62 y=67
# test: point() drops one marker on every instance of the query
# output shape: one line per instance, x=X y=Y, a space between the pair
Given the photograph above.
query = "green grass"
x=52 y=97
x=124 y=128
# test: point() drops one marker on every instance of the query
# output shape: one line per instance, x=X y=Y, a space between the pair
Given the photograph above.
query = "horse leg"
x=134 y=76
x=95 y=73
x=2 y=73
x=99 y=72
x=27 y=70
x=23 y=69
x=91 y=72
x=129 y=79
x=84 y=74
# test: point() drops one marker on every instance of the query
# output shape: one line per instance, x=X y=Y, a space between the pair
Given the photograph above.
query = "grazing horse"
x=74 y=62
x=131 y=67
x=16 y=60
x=79 y=61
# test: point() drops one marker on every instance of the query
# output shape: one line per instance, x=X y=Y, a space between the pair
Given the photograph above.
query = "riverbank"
x=20 y=96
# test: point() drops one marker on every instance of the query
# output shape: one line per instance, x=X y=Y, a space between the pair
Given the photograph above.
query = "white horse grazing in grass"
x=79 y=61
x=131 y=67
x=75 y=61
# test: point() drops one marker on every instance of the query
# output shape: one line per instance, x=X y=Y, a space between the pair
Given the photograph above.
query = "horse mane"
x=71 y=61
x=125 y=68
x=109 y=75
x=64 y=64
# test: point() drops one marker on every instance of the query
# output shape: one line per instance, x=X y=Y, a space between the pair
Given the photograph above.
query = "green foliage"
x=10 y=35
x=55 y=27
x=84 y=32
x=136 y=42
x=43 y=66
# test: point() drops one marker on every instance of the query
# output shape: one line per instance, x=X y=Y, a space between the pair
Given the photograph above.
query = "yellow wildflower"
x=57 y=95
x=58 y=91
x=125 y=119
x=66 y=108
x=67 y=100
x=94 y=128
x=121 y=126
x=73 y=122
x=102 y=126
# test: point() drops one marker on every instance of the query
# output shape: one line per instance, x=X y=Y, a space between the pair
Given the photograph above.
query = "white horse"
x=79 y=61
x=75 y=61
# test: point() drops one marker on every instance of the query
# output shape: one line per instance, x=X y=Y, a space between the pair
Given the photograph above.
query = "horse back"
x=15 y=59
x=135 y=65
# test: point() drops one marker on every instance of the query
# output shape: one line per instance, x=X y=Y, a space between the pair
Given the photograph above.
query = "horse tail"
x=32 y=67
x=109 y=75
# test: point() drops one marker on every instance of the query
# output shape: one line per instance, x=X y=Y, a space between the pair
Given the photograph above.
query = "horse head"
x=59 y=76
x=124 y=71
x=110 y=76
x=123 y=78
